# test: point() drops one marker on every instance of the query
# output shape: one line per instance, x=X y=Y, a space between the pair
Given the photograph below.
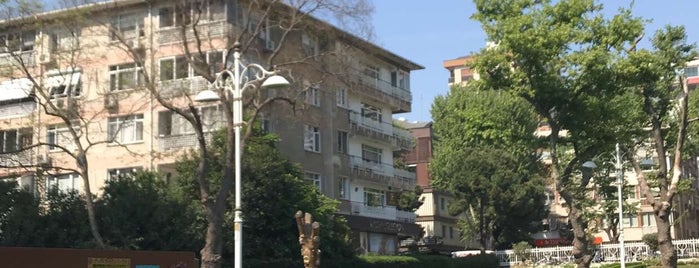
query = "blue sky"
x=429 y=32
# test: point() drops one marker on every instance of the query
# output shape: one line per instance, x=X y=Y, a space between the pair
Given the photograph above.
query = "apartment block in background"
x=340 y=131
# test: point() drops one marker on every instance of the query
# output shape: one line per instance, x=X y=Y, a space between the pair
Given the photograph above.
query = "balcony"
x=25 y=58
x=19 y=159
x=381 y=91
x=377 y=212
x=180 y=141
x=182 y=87
x=399 y=138
x=383 y=174
x=17 y=109
x=205 y=30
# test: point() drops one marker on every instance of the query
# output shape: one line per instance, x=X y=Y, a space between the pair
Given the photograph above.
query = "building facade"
x=441 y=231
x=92 y=84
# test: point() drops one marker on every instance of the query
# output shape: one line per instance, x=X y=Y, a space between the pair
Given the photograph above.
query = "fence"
x=635 y=251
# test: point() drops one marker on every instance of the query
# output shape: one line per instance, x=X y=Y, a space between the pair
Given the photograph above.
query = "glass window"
x=341 y=95
x=64 y=183
x=630 y=220
x=648 y=219
x=59 y=136
x=312 y=138
x=309 y=44
x=126 y=27
x=343 y=190
x=125 y=129
x=312 y=96
x=371 y=112
x=691 y=71
x=125 y=76
x=371 y=154
x=313 y=178
x=13 y=140
x=374 y=197
x=342 y=142
x=63 y=84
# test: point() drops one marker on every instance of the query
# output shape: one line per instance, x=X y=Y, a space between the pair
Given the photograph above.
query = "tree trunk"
x=81 y=160
x=582 y=254
x=482 y=225
x=668 y=256
x=211 y=252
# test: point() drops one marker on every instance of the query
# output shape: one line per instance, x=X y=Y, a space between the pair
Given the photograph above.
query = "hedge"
x=407 y=261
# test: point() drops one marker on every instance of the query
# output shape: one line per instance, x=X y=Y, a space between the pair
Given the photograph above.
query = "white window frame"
x=116 y=71
x=17 y=41
x=127 y=21
x=12 y=140
x=372 y=112
x=372 y=154
x=64 y=40
x=309 y=44
x=311 y=141
x=59 y=135
x=210 y=13
x=215 y=59
x=72 y=183
x=312 y=96
x=114 y=173
x=341 y=96
x=344 y=188
x=121 y=126
x=313 y=178
x=374 y=197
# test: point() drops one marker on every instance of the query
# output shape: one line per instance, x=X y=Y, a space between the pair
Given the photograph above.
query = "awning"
x=15 y=89
x=63 y=83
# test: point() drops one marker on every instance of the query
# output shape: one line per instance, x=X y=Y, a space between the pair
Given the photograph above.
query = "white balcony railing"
x=182 y=87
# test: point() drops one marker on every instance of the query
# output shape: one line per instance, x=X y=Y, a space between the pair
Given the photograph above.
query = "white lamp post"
x=235 y=83
x=619 y=182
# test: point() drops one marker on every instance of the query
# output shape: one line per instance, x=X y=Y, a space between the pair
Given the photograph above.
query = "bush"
x=410 y=261
x=628 y=265
x=652 y=241
x=521 y=250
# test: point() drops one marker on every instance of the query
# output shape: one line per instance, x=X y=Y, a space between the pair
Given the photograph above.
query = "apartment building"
x=441 y=231
x=105 y=67
x=635 y=225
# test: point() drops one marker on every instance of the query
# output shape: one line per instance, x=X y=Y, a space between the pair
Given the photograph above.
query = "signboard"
x=550 y=242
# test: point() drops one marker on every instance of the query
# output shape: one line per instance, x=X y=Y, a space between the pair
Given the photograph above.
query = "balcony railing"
x=25 y=58
x=16 y=160
x=182 y=87
x=382 y=90
x=19 y=109
x=204 y=29
x=378 y=212
x=381 y=173
x=179 y=141
x=382 y=131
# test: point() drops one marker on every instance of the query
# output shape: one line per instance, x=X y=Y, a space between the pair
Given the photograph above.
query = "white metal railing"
x=635 y=251
x=204 y=29
x=185 y=86
x=379 y=212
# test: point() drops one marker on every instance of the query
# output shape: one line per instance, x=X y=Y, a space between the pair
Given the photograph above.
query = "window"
x=64 y=183
x=128 y=172
x=342 y=142
x=374 y=197
x=17 y=42
x=344 y=191
x=15 y=139
x=442 y=203
x=691 y=71
x=309 y=44
x=63 y=84
x=180 y=15
x=648 y=219
x=630 y=220
x=371 y=154
x=371 y=112
x=125 y=76
x=180 y=68
x=312 y=96
x=444 y=231
x=630 y=192
x=341 y=95
x=313 y=178
x=125 y=129
x=371 y=71
x=59 y=136
x=126 y=27
x=64 y=40
x=311 y=140
x=451 y=232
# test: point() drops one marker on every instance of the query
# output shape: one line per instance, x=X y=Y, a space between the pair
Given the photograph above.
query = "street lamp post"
x=231 y=83
x=619 y=182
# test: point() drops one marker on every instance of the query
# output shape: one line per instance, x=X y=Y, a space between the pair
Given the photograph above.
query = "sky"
x=428 y=34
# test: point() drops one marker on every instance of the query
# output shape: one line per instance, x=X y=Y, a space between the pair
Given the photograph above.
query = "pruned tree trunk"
x=581 y=253
x=211 y=252
x=668 y=256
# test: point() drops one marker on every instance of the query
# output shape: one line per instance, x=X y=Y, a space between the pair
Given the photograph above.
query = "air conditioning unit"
x=43 y=160
x=46 y=59
x=111 y=102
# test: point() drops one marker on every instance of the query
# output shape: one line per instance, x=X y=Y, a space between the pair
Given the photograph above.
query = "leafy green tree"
x=485 y=156
x=273 y=192
x=142 y=212
x=566 y=59
x=19 y=216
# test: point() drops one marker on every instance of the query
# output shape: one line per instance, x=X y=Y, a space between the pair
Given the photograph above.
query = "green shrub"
x=410 y=261
x=628 y=265
x=652 y=241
